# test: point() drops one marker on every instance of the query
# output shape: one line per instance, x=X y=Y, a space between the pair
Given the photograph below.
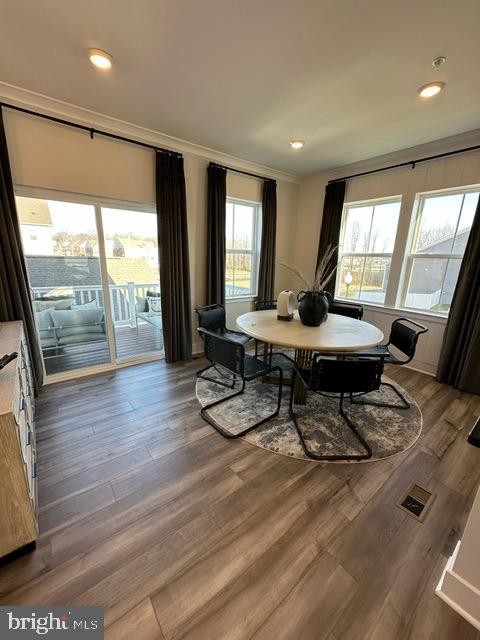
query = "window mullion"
x=401 y=248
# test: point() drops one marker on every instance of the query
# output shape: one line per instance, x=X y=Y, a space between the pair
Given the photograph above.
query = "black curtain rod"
x=245 y=173
x=91 y=130
x=411 y=163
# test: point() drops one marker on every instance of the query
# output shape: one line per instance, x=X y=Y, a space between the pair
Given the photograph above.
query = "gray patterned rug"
x=388 y=431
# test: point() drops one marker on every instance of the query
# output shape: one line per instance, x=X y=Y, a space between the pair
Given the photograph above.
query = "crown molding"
x=51 y=106
x=442 y=145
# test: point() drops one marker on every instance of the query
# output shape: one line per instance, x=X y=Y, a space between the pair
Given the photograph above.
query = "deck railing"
x=123 y=298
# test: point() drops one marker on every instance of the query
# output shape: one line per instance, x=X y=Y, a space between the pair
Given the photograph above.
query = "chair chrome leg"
x=350 y=424
x=216 y=380
x=233 y=436
x=405 y=404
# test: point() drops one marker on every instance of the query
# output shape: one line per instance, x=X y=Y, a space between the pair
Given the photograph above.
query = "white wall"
x=459 y=585
x=51 y=156
x=444 y=173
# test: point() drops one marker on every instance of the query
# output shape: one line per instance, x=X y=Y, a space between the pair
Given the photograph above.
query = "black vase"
x=312 y=308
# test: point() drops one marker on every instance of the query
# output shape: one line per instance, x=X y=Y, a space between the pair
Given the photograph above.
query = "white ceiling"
x=244 y=77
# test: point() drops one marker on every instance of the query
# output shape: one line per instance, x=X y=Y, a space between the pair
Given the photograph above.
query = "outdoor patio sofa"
x=65 y=323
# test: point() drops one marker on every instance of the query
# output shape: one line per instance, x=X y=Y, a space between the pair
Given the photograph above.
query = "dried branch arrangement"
x=323 y=274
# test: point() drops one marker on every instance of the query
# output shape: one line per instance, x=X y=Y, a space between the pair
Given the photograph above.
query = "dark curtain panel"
x=15 y=301
x=460 y=355
x=266 y=271
x=216 y=251
x=331 y=223
x=173 y=250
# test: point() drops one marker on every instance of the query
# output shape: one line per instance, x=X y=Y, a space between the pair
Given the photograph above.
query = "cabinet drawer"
x=18 y=399
x=31 y=468
x=23 y=362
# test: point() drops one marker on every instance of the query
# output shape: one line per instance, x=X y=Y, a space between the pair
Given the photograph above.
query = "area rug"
x=388 y=431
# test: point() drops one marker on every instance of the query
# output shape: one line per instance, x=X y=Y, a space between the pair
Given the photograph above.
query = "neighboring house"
x=128 y=247
x=36 y=225
x=429 y=276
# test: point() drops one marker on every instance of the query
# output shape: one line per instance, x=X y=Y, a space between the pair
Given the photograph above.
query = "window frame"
x=255 y=252
x=410 y=256
x=372 y=202
x=97 y=202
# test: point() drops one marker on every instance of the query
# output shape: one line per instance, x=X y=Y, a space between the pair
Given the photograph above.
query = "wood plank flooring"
x=179 y=533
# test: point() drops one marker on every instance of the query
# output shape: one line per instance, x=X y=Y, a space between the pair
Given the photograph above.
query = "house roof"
x=447 y=240
x=60 y=271
x=70 y=271
x=139 y=270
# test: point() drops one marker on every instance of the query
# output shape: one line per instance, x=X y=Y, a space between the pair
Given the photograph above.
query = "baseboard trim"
x=427 y=373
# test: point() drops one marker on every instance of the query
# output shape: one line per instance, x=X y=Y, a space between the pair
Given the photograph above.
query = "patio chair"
x=343 y=377
x=224 y=352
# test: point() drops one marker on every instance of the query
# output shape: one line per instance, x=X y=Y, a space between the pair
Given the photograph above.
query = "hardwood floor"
x=179 y=533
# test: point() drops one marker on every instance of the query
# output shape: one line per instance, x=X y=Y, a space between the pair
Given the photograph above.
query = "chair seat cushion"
x=375 y=352
x=78 y=322
x=236 y=336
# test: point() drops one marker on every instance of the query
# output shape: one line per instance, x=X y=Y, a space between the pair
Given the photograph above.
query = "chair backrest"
x=212 y=317
x=349 y=309
x=265 y=305
x=346 y=309
x=222 y=351
x=405 y=337
x=345 y=376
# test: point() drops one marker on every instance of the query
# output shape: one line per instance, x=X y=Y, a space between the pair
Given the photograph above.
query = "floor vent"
x=416 y=502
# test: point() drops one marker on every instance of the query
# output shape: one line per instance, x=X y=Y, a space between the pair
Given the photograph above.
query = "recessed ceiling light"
x=100 y=59
x=431 y=89
x=296 y=143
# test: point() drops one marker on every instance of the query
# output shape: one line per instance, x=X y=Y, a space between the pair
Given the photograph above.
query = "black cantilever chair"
x=213 y=318
x=265 y=305
x=404 y=334
x=342 y=308
x=224 y=352
x=343 y=377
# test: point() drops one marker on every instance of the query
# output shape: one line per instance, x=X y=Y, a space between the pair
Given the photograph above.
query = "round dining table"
x=336 y=334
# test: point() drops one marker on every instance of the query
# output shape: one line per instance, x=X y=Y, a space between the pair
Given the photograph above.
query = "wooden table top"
x=337 y=333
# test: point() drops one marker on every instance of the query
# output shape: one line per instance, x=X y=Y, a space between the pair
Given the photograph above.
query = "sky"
x=80 y=218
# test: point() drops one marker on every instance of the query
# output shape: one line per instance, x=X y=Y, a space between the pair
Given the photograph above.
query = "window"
x=243 y=248
x=441 y=229
x=367 y=239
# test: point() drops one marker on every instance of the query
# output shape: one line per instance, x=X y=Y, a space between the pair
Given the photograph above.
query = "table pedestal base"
x=303 y=360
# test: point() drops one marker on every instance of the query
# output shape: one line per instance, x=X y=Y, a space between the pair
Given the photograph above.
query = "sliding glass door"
x=59 y=241
x=94 y=280
x=131 y=251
